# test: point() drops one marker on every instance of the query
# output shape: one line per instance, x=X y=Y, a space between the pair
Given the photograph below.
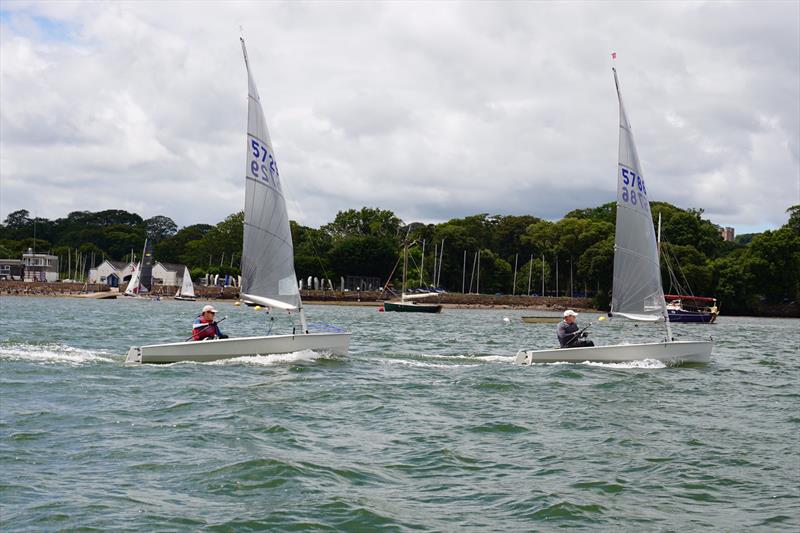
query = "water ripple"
x=427 y=425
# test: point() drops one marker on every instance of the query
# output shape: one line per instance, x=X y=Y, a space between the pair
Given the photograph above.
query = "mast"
x=478 y=281
x=472 y=272
x=464 y=272
x=570 y=278
x=556 y=276
x=658 y=250
x=405 y=267
x=514 y=283
x=658 y=237
x=441 y=257
x=139 y=286
x=422 y=263
x=542 y=275
x=530 y=274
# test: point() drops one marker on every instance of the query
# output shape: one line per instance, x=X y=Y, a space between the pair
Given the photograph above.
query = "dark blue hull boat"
x=680 y=315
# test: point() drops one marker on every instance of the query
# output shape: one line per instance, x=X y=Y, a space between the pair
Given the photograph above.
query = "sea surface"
x=426 y=426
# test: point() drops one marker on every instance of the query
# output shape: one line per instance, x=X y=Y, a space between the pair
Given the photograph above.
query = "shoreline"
x=377 y=304
x=448 y=301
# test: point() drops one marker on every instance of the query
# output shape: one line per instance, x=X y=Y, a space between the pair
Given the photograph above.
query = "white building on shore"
x=116 y=273
x=40 y=267
x=108 y=272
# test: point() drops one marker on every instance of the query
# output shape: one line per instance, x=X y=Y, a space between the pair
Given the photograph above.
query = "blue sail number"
x=263 y=165
x=637 y=195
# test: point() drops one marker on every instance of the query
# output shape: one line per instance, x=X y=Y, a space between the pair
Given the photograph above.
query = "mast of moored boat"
x=666 y=313
x=139 y=286
x=405 y=267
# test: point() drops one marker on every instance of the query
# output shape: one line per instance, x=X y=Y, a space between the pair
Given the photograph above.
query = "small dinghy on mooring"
x=637 y=292
x=268 y=276
x=186 y=290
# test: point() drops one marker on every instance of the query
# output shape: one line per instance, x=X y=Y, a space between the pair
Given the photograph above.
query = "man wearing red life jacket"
x=204 y=326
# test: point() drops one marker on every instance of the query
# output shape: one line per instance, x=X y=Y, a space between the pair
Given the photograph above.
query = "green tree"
x=367 y=221
x=507 y=232
x=686 y=227
x=458 y=242
x=794 y=219
x=173 y=248
x=159 y=228
x=596 y=270
x=684 y=270
x=775 y=265
x=311 y=249
x=533 y=270
x=604 y=213
x=495 y=274
x=734 y=282
x=218 y=247
x=18 y=219
x=363 y=255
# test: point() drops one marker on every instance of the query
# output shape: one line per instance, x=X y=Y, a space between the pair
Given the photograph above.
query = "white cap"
x=209 y=308
x=570 y=312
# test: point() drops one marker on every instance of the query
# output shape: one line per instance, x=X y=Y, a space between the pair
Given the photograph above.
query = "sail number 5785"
x=263 y=164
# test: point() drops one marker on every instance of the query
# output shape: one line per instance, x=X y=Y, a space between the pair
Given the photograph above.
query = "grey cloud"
x=433 y=110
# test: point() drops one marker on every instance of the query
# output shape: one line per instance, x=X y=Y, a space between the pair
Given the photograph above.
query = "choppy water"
x=427 y=425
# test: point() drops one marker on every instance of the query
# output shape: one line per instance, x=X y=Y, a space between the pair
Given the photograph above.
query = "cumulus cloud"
x=434 y=111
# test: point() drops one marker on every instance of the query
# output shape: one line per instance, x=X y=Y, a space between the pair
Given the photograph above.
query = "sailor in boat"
x=205 y=327
x=569 y=335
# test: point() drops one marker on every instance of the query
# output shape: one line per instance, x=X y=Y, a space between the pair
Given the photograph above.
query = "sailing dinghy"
x=637 y=292
x=268 y=276
x=133 y=285
x=141 y=275
x=407 y=303
x=186 y=290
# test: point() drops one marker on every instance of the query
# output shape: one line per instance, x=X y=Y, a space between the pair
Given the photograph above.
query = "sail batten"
x=637 y=291
x=267 y=251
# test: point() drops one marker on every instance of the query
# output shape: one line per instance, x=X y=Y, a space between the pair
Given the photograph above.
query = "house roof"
x=118 y=265
x=172 y=267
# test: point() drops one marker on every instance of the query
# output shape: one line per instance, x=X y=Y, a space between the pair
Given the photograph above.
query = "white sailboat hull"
x=670 y=353
x=214 y=350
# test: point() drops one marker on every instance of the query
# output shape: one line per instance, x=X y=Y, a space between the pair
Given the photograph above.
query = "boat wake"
x=273 y=359
x=52 y=354
x=416 y=363
x=447 y=361
x=644 y=363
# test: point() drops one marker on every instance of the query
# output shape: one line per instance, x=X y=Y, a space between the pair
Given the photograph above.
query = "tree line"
x=511 y=254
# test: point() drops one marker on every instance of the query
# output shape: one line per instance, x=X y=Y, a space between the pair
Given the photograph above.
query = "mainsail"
x=268 y=275
x=187 y=287
x=146 y=272
x=133 y=285
x=637 y=292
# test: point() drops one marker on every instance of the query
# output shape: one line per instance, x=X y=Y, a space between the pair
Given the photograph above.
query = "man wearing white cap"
x=204 y=326
x=568 y=333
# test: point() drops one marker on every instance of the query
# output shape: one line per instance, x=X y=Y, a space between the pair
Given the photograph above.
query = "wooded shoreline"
x=367 y=298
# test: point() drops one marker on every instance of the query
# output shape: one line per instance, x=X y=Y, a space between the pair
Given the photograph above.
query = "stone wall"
x=49 y=289
x=457 y=299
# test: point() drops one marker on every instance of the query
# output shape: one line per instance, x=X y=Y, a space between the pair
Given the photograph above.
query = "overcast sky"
x=433 y=110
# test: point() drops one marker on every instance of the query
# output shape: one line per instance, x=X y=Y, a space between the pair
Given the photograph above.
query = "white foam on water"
x=273 y=359
x=499 y=358
x=483 y=358
x=52 y=354
x=644 y=363
x=406 y=362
